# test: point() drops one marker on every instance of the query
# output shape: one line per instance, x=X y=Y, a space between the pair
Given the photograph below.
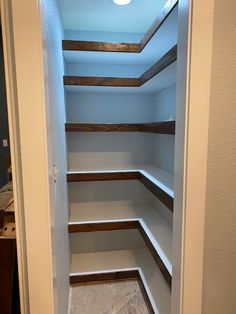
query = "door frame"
x=23 y=57
x=193 y=75
x=191 y=149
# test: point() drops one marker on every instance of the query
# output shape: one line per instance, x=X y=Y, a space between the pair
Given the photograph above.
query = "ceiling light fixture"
x=122 y=2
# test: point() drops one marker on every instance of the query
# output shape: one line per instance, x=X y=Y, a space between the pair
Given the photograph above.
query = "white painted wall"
x=164 y=145
x=109 y=107
x=219 y=276
x=103 y=36
x=52 y=32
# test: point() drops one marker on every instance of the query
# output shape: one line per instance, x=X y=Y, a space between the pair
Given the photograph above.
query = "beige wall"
x=219 y=283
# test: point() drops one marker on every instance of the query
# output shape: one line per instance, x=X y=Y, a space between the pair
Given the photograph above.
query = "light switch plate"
x=5 y=143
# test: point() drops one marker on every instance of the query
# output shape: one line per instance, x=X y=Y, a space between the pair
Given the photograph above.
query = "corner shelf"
x=158 y=236
x=126 y=260
x=156 y=180
x=77 y=45
x=159 y=66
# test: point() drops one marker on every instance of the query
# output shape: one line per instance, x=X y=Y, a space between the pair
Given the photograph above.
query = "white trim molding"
x=192 y=112
x=15 y=144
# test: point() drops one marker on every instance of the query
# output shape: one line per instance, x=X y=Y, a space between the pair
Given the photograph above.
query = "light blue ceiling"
x=105 y=16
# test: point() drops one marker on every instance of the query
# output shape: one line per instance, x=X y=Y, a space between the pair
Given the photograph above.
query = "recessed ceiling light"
x=122 y=2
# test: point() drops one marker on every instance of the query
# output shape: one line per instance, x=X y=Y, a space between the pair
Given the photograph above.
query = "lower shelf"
x=157 y=229
x=123 y=260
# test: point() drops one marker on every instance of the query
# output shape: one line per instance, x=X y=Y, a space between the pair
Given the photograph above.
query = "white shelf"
x=159 y=177
x=97 y=262
x=155 y=226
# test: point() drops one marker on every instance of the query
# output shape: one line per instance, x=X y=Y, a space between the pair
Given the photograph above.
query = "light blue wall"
x=103 y=36
x=165 y=103
x=109 y=107
x=112 y=70
x=165 y=106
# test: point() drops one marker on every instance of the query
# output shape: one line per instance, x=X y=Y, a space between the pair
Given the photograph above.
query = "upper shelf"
x=165 y=127
x=155 y=69
x=164 y=79
x=75 y=45
x=161 y=42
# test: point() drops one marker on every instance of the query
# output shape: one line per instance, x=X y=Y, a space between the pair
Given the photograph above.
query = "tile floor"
x=108 y=298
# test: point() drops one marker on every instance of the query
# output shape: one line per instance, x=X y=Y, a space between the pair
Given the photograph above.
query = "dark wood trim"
x=101 y=81
x=124 y=225
x=159 y=66
x=103 y=277
x=165 y=127
x=158 y=22
x=164 y=197
x=161 y=127
x=145 y=295
x=115 y=276
x=102 y=176
x=75 y=45
x=162 y=267
x=103 y=226
x=102 y=127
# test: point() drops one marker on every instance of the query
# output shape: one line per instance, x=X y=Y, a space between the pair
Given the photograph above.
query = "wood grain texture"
x=102 y=176
x=104 y=277
x=103 y=226
x=160 y=65
x=101 y=81
x=75 y=45
x=168 y=8
x=165 y=127
x=164 y=197
x=124 y=225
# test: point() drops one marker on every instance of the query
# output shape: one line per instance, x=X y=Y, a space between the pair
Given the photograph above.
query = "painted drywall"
x=111 y=70
x=104 y=149
x=165 y=108
x=102 y=36
x=55 y=111
x=165 y=103
x=219 y=280
x=104 y=15
x=109 y=107
x=4 y=130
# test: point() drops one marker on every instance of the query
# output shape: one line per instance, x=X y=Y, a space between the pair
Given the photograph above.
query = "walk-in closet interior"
x=120 y=133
